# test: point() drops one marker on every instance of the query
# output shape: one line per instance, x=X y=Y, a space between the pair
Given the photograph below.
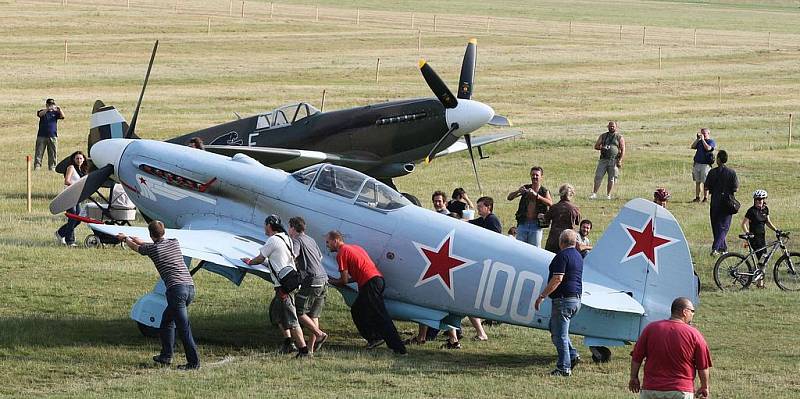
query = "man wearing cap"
x=47 y=137
x=277 y=253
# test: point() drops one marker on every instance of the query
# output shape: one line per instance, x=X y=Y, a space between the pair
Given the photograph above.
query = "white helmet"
x=760 y=194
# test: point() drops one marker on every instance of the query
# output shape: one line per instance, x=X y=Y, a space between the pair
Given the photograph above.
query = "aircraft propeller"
x=81 y=190
x=130 y=134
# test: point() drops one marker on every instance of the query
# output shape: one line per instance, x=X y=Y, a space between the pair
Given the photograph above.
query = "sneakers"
x=188 y=367
x=59 y=240
x=705 y=199
x=697 y=199
x=303 y=354
x=575 y=360
x=288 y=346
x=593 y=196
x=560 y=373
x=321 y=340
x=163 y=361
x=451 y=345
x=608 y=197
x=374 y=343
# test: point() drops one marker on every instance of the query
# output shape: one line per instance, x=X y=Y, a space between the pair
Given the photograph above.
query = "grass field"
x=64 y=326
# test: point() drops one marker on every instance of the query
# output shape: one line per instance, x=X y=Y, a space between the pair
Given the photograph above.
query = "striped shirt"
x=166 y=255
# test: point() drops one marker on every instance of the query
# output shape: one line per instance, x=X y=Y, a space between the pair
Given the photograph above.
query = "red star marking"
x=645 y=242
x=441 y=263
x=142 y=180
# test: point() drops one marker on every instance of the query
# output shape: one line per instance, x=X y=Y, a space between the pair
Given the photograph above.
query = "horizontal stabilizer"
x=604 y=298
x=291 y=159
x=478 y=141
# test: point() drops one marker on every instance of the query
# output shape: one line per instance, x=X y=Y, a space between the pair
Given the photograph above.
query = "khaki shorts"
x=310 y=300
x=606 y=166
x=282 y=311
x=648 y=394
x=700 y=171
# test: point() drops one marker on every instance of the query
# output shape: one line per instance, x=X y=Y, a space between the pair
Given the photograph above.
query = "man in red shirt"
x=369 y=312
x=675 y=352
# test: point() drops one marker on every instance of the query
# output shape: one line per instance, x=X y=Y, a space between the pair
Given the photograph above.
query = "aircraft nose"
x=470 y=116
x=108 y=152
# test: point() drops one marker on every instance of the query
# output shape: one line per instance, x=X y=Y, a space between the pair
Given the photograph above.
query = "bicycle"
x=734 y=271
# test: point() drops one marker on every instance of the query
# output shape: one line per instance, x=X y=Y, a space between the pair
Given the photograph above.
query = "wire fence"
x=462 y=24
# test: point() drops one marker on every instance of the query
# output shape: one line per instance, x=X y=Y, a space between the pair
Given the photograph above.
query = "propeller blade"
x=468 y=139
x=468 y=70
x=500 y=120
x=80 y=190
x=130 y=133
x=437 y=85
x=436 y=148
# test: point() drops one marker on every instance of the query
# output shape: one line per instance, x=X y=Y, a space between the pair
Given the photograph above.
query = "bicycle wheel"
x=787 y=272
x=733 y=272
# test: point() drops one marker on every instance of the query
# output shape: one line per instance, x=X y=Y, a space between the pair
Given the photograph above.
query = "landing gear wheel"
x=92 y=241
x=147 y=331
x=600 y=354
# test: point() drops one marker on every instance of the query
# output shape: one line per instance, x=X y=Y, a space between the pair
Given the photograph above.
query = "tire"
x=147 y=331
x=92 y=241
x=600 y=354
x=786 y=278
x=727 y=272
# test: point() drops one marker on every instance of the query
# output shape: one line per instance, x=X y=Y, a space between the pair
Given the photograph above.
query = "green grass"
x=64 y=326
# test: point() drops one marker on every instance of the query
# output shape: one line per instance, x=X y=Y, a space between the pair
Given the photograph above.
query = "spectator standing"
x=754 y=221
x=675 y=352
x=369 y=310
x=561 y=216
x=77 y=168
x=564 y=287
x=277 y=252
x=704 y=147
x=721 y=182
x=168 y=260
x=310 y=297
x=584 y=244
x=47 y=136
x=611 y=145
x=439 y=199
x=486 y=218
x=534 y=202
x=661 y=196
x=459 y=202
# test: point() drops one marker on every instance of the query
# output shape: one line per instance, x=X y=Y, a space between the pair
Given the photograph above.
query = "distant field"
x=64 y=327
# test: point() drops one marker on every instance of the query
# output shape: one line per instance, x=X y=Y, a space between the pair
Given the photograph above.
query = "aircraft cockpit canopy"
x=286 y=115
x=350 y=184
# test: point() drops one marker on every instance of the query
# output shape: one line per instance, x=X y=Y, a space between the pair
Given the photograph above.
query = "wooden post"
x=65 y=51
x=271 y=9
x=620 y=33
x=644 y=34
x=230 y=9
x=412 y=20
x=358 y=16
x=28 y=167
x=242 y=9
x=316 y=16
x=419 y=41
x=719 y=89
x=434 y=22
x=377 y=69
x=322 y=106
x=769 y=41
x=695 y=37
x=570 y=30
x=790 y=144
x=208 y=31
x=659 y=58
x=176 y=6
x=488 y=26
x=129 y=4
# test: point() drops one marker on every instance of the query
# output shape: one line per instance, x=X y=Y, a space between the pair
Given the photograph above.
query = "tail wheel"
x=92 y=241
x=147 y=331
x=787 y=272
x=733 y=272
x=600 y=354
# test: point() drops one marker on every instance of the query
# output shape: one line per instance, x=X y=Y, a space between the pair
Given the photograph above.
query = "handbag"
x=731 y=204
x=710 y=158
x=290 y=281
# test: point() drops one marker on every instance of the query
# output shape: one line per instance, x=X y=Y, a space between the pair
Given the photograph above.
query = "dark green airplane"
x=383 y=140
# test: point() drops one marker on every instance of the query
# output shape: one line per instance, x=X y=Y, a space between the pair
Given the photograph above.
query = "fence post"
x=316 y=17
x=769 y=41
x=620 y=33
x=419 y=41
x=719 y=89
x=322 y=106
x=243 y=9
x=358 y=16
x=695 y=37
x=129 y=4
x=434 y=22
x=412 y=20
x=488 y=21
x=230 y=8
x=271 y=9
x=377 y=69
x=28 y=167
x=790 y=136
x=644 y=34
x=208 y=31
x=570 y=30
x=176 y=6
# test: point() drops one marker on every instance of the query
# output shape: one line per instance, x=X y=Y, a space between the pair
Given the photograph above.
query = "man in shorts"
x=310 y=298
x=611 y=145
x=704 y=147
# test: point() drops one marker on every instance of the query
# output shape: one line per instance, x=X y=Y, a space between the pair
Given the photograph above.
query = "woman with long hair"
x=77 y=168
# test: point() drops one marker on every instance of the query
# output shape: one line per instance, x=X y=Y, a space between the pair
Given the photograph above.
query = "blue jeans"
x=720 y=224
x=178 y=299
x=530 y=232
x=67 y=230
x=562 y=311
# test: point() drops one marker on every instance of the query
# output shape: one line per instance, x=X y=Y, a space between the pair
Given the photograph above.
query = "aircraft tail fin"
x=644 y=254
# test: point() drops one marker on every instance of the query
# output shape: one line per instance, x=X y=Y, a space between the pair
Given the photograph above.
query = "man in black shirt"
x=487 y=219
x=721 y=182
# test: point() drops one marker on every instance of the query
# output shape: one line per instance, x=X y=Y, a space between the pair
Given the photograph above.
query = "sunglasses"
x=691 y=310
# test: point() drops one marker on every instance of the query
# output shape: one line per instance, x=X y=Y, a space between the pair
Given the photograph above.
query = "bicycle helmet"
x=661 y=194
x=760 y=194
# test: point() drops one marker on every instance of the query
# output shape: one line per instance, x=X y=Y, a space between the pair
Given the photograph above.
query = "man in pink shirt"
x=675 y=352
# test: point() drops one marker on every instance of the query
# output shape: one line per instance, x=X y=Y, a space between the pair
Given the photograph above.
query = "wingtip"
x=473 y=41
x=422 y=62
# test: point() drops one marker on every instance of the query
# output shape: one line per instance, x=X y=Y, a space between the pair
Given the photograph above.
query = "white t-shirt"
x=278 y=254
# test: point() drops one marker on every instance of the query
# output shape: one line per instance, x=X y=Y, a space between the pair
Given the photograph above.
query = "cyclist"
x=661 y=196
x=753 y=223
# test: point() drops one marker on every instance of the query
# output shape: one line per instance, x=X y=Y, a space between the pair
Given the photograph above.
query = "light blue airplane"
x=437 y=269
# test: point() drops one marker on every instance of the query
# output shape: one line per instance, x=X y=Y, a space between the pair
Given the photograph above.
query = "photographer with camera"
x=611 y=145
x=47 y=137
x=704 y=159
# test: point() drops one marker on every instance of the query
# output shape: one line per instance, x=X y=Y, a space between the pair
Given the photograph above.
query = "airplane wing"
x=478 y=141
x=222 y=249
x=290 y=159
